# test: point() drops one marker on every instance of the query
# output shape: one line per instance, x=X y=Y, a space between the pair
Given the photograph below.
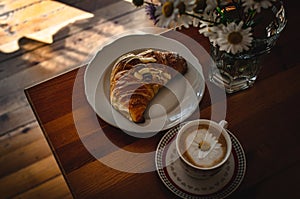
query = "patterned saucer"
x=174 y=177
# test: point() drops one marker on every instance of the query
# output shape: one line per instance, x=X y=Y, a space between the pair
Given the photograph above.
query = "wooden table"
x=37 y=20
x=264 y=118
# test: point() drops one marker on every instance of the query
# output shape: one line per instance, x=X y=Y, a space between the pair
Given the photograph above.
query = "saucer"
x=174 y=177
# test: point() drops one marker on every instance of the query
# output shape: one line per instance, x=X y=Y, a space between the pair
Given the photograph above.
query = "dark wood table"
x=264 y=118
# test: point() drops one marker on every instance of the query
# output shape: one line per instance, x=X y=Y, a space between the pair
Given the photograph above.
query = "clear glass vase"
x=238 y=72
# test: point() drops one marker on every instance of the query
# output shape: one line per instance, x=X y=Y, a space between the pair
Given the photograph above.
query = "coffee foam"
x=203 y=146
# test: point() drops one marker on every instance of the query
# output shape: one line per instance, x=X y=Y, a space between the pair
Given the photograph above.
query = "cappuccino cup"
x=203 y=147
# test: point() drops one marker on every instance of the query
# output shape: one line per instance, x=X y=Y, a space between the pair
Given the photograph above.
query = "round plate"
x=219 y=186
x=173 y=104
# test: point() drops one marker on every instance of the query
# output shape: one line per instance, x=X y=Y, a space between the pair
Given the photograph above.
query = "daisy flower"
x=182 y=7
x=256 y=4
x=233 y=38
x=203 y=147
x=171 y=13
x=165 y=13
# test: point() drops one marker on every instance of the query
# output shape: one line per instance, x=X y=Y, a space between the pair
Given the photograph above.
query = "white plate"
x=171 y=106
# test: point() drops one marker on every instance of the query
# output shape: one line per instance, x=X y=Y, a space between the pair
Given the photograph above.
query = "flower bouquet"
x=240 y=31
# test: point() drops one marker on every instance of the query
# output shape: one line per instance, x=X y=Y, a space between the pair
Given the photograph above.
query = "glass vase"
x=237 y=72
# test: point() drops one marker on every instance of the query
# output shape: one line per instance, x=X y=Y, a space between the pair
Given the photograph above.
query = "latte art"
x=204 y=147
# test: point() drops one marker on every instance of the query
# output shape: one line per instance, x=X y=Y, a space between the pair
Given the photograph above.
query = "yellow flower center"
x=204 y=146
x=181 y=8
x=235 y=38
x=167 y=9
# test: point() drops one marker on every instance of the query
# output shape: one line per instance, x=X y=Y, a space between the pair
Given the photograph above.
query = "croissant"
x=136 y=79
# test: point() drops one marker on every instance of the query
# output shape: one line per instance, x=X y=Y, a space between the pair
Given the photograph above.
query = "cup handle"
x=223 y=124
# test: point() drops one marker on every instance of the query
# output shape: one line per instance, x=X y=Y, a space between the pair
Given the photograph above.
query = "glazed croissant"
x=136 y=79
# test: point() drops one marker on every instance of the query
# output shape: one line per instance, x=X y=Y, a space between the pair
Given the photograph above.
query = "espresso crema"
x=204 y=146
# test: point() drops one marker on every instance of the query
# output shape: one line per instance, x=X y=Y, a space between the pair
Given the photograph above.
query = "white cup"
x=203 y=147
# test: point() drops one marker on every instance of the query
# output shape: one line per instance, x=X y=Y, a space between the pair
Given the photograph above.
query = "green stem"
x=250 y=18
x=223 y=17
